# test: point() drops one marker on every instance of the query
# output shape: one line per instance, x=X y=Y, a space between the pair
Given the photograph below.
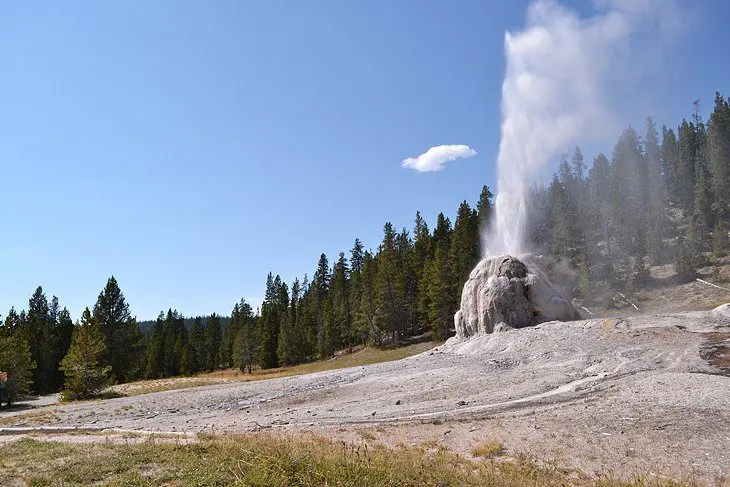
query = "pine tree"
x=652 y=158
x=655 y=220
x=121 y=332
x=719 y=155
x=578 y=165
x=439 y=285
x=686 y=166
x=155 y=349
x=389 y=287
x=720 y=241
x=365 y=319
x=270 y=324
x=298 y=337
x=485 y=209
x=240 y=347
x=12 y=320
x=357 y=260
x=670 y=164
x=629 y=194
x=226 y=350
x=684 y=264
x=17 y=361
x=641 y=274
x=37 y=329
x=337 y=328
x=422 y=241
x=62 y=333
x=438 y=301
x=212 y=342
x=464 y=249
x=285 y=337
x=320 y=288
x=85 y=376
x=244 y=347
x=186 y=366
x=198 y=352
x=174 y=339
x=307 y=324
x=563 y=224
x=702 y=207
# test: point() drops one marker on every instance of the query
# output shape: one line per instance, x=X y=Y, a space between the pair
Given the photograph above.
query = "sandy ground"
x=643 y=395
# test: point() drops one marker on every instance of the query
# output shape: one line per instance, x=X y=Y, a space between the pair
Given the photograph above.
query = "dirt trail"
x=628 y=396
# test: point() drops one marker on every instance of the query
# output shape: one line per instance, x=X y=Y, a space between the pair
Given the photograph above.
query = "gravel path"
x=633 y=396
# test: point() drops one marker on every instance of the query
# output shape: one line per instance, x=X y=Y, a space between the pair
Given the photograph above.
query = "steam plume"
x=555 y=93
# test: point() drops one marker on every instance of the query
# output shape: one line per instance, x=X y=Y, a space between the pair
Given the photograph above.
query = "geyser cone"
x=509 y=291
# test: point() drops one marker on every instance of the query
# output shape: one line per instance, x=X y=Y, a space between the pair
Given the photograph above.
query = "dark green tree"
x=212 y=342
x=85 y=376
x=389 y=288
x=63 y=328
x=270 y=323
x=320 y=288
x=485 y=207
x=686 y=165
x=720 y=241
x=198 y=357
x=285 y=352
x=121 y=332
x=464 y=250
x=38 y=331
x=365 y=318
x=245 y=346
x=719 y=155
x=16 y=360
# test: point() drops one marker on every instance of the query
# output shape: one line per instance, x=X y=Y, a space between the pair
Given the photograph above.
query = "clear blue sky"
x=191 y=147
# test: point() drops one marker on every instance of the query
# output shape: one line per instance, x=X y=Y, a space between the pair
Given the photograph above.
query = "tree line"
x=658 y=199
x=408 y=288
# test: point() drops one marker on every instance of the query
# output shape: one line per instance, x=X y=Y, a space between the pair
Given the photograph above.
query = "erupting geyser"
x=555 y=93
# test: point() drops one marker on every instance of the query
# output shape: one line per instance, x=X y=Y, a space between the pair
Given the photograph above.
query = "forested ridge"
x=659 y=197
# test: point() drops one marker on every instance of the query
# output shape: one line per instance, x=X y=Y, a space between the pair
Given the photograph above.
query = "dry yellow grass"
x=265 y=460
x=34 y=418
x=489 y=449
x=362 y=356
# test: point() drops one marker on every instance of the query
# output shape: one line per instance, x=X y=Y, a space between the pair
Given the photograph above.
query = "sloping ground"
x=640 y=395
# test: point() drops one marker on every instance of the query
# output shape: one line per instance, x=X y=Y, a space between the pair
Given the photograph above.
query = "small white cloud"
x=435 y=157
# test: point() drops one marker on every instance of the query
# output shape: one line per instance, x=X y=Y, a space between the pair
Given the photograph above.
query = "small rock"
x=462 y=403
x=397 y=403
x=373 y=413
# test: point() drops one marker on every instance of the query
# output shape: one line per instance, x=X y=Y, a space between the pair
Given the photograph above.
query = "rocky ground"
x=644 y=395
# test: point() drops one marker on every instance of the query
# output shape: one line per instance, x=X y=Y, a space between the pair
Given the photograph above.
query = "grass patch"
x=37 y=417
x=65 y=397
x=360 y=357
x=489 y=449
x=160 y=385
x=365 y=434
x=261 y=460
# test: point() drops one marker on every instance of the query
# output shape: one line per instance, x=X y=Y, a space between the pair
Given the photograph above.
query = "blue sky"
x=189 y=148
